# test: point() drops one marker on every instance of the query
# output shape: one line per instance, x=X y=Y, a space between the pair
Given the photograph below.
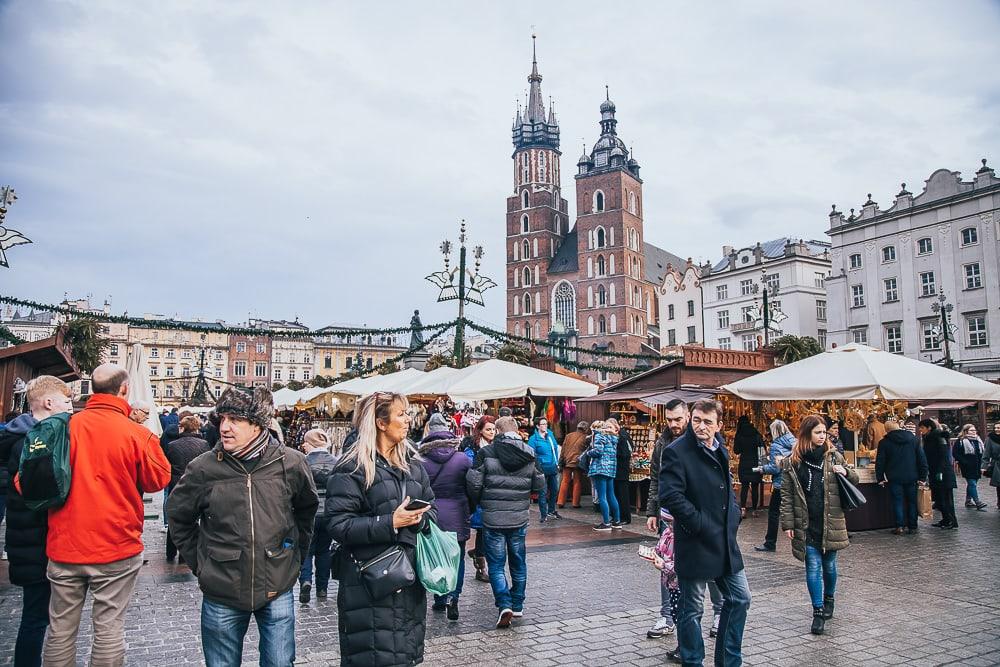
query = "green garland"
x=403 y=355
x=9 y=336
x=502 y=335
x=143 y=323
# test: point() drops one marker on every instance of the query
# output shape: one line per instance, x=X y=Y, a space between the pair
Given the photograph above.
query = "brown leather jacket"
x=573 y=445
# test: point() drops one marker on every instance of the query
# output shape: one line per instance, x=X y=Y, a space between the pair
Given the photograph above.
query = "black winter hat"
x=256 y=406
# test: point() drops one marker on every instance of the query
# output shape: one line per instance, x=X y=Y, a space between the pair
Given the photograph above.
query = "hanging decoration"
x=8 y=237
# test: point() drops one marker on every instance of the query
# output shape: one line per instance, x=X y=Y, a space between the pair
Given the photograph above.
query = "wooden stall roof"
x=48 y=356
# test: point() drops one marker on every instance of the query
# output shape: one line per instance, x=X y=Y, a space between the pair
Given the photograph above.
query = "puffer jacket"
x=245 y=534
x=795 y=512
x=605 y=461
x=501 y=481
x=446 y=468
x=26 y=528
x=321 y=464
x=388 y=631
x=780 y=448
x=900 y=458
x=546 y=451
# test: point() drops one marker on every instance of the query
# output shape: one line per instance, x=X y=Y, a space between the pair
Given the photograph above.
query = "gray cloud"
x=214 y=159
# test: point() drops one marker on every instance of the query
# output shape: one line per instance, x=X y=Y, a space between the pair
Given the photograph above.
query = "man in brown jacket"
x=573 y=445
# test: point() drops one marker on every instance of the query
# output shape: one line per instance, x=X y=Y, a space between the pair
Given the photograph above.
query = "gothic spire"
x=536 y=107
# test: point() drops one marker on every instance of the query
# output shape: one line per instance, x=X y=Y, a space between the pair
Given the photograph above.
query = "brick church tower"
x=537 y=221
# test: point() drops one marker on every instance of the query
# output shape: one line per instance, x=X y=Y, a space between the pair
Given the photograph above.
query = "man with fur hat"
x=242 y=517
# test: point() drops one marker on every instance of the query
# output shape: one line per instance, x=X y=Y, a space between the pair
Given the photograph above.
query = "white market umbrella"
x=432 y=382
x=502 y=379
x=139 y=386
x=369 y=385
x=860 y=372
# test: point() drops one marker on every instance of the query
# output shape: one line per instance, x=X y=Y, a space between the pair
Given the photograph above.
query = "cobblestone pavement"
x=927 y=599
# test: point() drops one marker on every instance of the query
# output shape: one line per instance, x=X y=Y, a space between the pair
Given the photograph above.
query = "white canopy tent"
x=860 y=372
x=502 y=379
x=432 y=382
x=139 y=386
x=363 y=386
x=285 y=399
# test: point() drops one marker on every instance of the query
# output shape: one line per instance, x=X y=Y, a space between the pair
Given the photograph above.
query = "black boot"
x=818 y=622
x=453 y=609
x=827 y=607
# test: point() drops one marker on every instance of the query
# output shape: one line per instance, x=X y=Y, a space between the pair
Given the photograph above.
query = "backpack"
x=44 y=473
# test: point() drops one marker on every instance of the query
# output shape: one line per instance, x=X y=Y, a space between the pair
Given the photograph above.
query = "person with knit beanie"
x=242 y=517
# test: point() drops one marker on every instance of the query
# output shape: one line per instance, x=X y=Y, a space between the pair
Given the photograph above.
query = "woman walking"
x=446 y=467
x=991 y=467
x=482 y=434
x=968 y=454
x=603 y=464
x=366 y=499
x=747 y=444
x=811 y=514
x=623 y=466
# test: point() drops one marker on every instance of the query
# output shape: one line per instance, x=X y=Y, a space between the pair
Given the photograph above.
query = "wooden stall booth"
x=21 y=363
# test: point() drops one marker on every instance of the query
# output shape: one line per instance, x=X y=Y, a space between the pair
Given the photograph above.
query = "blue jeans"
x=899 y=492
x=736 y=602
x=547 y=496
x=34 y=620
x=223 y=629
x=972 y=490
x=821 y=574
x=604 y=487
x=501 y=545
x=443 y=599
x=319 y=549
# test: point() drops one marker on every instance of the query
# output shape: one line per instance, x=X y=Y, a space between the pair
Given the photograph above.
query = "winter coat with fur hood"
x=795 y=511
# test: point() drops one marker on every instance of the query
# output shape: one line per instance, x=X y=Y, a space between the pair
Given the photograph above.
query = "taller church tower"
x=537 y=219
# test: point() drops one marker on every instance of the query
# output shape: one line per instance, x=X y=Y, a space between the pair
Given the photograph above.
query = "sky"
x=304 y=160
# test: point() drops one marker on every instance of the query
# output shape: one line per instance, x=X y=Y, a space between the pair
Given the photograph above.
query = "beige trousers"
x=111 y=585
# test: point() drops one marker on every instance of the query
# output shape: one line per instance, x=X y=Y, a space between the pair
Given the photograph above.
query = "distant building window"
x=601 y=266
x=721 y=292
x=692 y=335
x=632 y=208
x=368 y=363
x=746 y=314
x=602 y=325
x=527 y=304
x=894 y=339
x=746 y=287
x=291 y=373
x=925 y=246
x=349 y=363
x=977 y=331
x=600 y=238
x=526 y=279
x=602 y=296
x=723 y=319
x=821 y=338
x=725 y=343
x=973 y=276
x=671 y=337
x=241 y=347
x=218 y=355
x=889 y=253
x=277 y=371
x=154 y=371
x=240 y=369
x=170 y=371
x=749 y=342
x=525 y=251
x=860 y=335
x=928 y=334
x=670 y=311
x=328 y=361
x=113 y=349
x=970 y=236
x=819 y=280
x=821 y=310
x=598 y=201
x=170 y=391
x=170 y=354
x=855 y=260
x=260 y=369
x=186 y=354
x=154 y=353
x=690 y=308
x=891 y=290
x=927 y=285
x=857 y=296
x=772 y=281
x=306 y=374
x=261 y=348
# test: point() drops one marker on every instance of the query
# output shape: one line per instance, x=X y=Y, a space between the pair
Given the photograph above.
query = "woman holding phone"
x=379 y=497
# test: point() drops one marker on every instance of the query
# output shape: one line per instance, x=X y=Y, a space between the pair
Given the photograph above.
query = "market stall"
x=859 y=387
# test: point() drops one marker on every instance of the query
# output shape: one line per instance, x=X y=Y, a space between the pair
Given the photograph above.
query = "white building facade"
x=291 y=357
x=794 y=272
x=680 y=307
x=892 y=268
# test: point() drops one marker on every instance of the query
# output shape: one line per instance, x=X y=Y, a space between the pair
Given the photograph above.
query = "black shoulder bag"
x=388 y=572
x=851 y=497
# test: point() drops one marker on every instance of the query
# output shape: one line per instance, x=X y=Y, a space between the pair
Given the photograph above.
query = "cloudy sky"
x=282 y=160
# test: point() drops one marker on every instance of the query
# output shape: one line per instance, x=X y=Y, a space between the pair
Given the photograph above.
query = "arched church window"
x=602 y=325
x=632 y=208
x=525 y=225
x=524 y=199
x=602 y=296
x=602 y=238
x=525 y=249
x=527 y=276
x=598 y=201
x=600 y=265
x=527 y=304
x=565 y=305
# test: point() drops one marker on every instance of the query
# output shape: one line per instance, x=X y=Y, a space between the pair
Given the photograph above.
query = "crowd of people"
x=252 y=517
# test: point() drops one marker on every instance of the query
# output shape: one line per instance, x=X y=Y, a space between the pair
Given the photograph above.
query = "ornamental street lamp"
x=765 y=314
x=944 y=331
x=470 y=287
x=8 y=237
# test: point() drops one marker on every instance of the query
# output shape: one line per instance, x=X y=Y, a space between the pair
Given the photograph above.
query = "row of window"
x=168 y=391
x=526 y=225
x=242 y=347
x=771 y=280
x=926 y=280
x=543 y=170
x=186 y=371
x=598 y=202
x=930 y=334
x=259 y=369
x=154 y=353
x=692 y=336
x=925 y=246
x=690 y=309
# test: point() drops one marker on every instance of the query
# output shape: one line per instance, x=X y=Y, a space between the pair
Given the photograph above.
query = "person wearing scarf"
x=968 y=454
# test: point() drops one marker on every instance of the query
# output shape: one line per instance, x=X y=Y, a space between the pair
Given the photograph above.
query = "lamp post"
x=469 y=288
x=8 y=237
x=767 y=314
x=944 y=331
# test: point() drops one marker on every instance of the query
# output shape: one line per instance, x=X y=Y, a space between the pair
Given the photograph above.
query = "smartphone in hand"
x=416 y=504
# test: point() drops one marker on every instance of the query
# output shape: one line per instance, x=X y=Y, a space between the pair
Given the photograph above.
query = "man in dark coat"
x=316 y=445
x=697 y=488
x=940 y=472
x=900 y=463
x=501 y=481
x=26 y=528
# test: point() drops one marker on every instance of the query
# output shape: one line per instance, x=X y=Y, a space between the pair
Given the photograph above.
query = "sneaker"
x=675 y=656
x=617 y=525
x=503 y=621
x=555 y=515
x=663 y=626
x=542 y=519
x=969 y=503
x=764 y=547
x=981 y=507
x=304 y=591
x=517 y=613
x=321 y=593
x=602 y=526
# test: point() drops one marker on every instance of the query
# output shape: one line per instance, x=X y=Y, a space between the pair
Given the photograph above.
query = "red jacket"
x=113 y=461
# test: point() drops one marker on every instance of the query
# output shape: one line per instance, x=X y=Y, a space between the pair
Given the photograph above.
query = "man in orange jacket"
x=95 y=538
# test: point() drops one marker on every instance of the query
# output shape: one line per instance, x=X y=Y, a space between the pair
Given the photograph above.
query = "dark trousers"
x=905 y=518
x=946 y=504
x=773 y=517
x=34 y=620
x=623 y=493
x=756 y=491
x=320 y=552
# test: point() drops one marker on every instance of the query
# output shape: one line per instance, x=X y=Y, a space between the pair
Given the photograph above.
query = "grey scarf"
x=972 y=446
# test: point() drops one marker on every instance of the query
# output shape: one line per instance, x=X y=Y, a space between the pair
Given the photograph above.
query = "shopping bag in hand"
x=438 y=558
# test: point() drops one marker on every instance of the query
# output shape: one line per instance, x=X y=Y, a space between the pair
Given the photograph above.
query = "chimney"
x=727 y=250
x=836 y=217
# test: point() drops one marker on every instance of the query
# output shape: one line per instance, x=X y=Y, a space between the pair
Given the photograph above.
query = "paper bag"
x=924 y=502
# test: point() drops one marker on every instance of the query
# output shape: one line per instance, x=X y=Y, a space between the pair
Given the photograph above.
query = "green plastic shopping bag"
x=438 y=558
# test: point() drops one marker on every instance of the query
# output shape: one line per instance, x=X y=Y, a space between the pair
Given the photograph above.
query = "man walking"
x=242 y=516
x=901 y=463
x=26 y=528
x=316 y=445
x=501 y=480
x=543 y=441
x=95 y=539
x=696 y=487
x=571 y=485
